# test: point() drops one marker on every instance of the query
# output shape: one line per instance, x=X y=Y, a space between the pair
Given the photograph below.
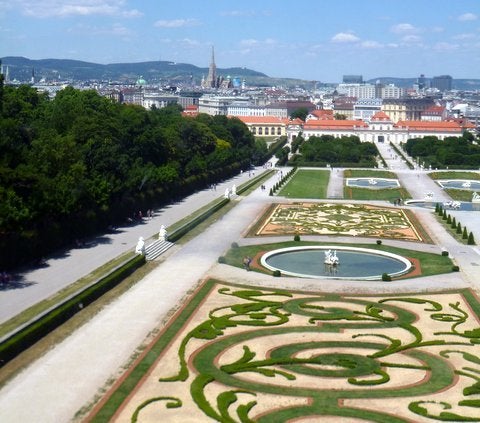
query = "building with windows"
x=266 y=126
x=365 y=108
x=380 y=128
x=407 y=108
x=442 y=83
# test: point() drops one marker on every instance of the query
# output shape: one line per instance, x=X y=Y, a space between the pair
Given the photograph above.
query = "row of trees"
x=460 y=152
x=347 y=151
x=78 y=163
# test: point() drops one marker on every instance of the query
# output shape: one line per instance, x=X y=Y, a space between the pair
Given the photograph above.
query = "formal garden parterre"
x=339 y=219
x=243 y=354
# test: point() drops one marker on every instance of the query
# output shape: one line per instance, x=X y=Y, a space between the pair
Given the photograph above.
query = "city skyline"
x=313 y=41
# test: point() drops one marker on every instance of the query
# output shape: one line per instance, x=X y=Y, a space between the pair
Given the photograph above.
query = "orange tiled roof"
x=322 y=114
x=267 y=120
x=381 y=116
x=420 y=125
x=335 y=124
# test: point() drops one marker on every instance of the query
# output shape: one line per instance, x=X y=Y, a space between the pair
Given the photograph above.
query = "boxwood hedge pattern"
x=242 y=354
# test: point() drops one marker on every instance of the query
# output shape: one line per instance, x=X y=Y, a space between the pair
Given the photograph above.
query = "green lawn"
x=455 y=175
x=390 y=194
x=368 y=173
x=307 y=184
x=431 y=264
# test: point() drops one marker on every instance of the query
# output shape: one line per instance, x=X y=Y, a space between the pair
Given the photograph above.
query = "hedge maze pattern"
x=240 y=354
x=338 y=219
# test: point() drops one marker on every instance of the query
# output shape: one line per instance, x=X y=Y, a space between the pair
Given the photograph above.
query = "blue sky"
x=316 y=40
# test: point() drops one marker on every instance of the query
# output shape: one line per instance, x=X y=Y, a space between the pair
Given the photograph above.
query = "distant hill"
x=457 y=84
x=21 y=68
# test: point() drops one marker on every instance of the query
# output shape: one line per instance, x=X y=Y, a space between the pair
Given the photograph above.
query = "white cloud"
x=464 y=36
x=240 y=13
x=345 y=37
x=176 y=23
x=442 y=46
x=411 y=39
x=403 y=28
x=468 y=17
x=249 y=42
x=65 y=8
x=116 y=30
x=371 y=44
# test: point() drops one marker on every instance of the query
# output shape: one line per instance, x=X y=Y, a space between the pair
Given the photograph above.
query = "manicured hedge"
x=53 y=318
x=182 y=230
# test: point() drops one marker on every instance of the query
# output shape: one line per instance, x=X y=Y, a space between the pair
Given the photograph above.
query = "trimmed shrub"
x=455 y=268
x=379 y=242
x=234 y=245
x=296 y=238
x=449 y=220
x=221 y=259
x=465 y=233
x=454 y=223
x=445 y=253
x=386 y=277
x=444 y=215
x=471 y=240
x=437 y=207
x=277 y=273
x=55 y=317
x=459 y=228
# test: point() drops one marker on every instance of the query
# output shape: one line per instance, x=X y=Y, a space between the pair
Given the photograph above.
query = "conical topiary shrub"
x=454 y=223
x=471 y=240
x=464 y=234
x=459 y=228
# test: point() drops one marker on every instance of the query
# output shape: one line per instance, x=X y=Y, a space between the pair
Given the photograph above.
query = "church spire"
x=211 y=81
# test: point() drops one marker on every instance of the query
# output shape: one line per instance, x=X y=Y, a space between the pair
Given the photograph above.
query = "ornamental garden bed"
x=339 y=219
x=242 y=354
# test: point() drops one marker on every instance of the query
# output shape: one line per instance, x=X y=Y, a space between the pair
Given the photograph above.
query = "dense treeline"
x=459 y=152
x=78 y=163
x=347 y=151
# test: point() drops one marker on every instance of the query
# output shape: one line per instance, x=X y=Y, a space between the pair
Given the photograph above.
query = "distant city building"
x=211 y=81
x=357 y=90
x=344 y=106
x=434 y=114
x=442 y=83
x=380 y=128
x=158 y=100
x=422 y=82
x=365 y=108
x=407 y=108
x=265 y=126
x=186 y=99
x=352 y=79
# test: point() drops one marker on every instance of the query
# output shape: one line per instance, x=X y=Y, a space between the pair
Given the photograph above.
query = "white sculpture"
x=140 y=248
x=234 y=189
x=467 y=184
x=331 y=258
x=227 y=193
x=429 y=195
x=162 y=234
x=475 y=197
x=372 y=181
x=452 y=204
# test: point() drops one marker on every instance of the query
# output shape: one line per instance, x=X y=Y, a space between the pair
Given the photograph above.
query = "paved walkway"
x=58 y=384
x=61 y=270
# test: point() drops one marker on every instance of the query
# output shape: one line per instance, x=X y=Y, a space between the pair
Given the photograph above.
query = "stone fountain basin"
x=354 y=263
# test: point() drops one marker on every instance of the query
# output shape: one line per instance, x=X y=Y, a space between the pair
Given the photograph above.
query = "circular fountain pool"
x=460 y=184
x=374 y=183
x=354 y=263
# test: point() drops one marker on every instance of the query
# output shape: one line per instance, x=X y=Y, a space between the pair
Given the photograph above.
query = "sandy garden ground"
x=338 y=219
x=238 y=353
x=245 y=354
